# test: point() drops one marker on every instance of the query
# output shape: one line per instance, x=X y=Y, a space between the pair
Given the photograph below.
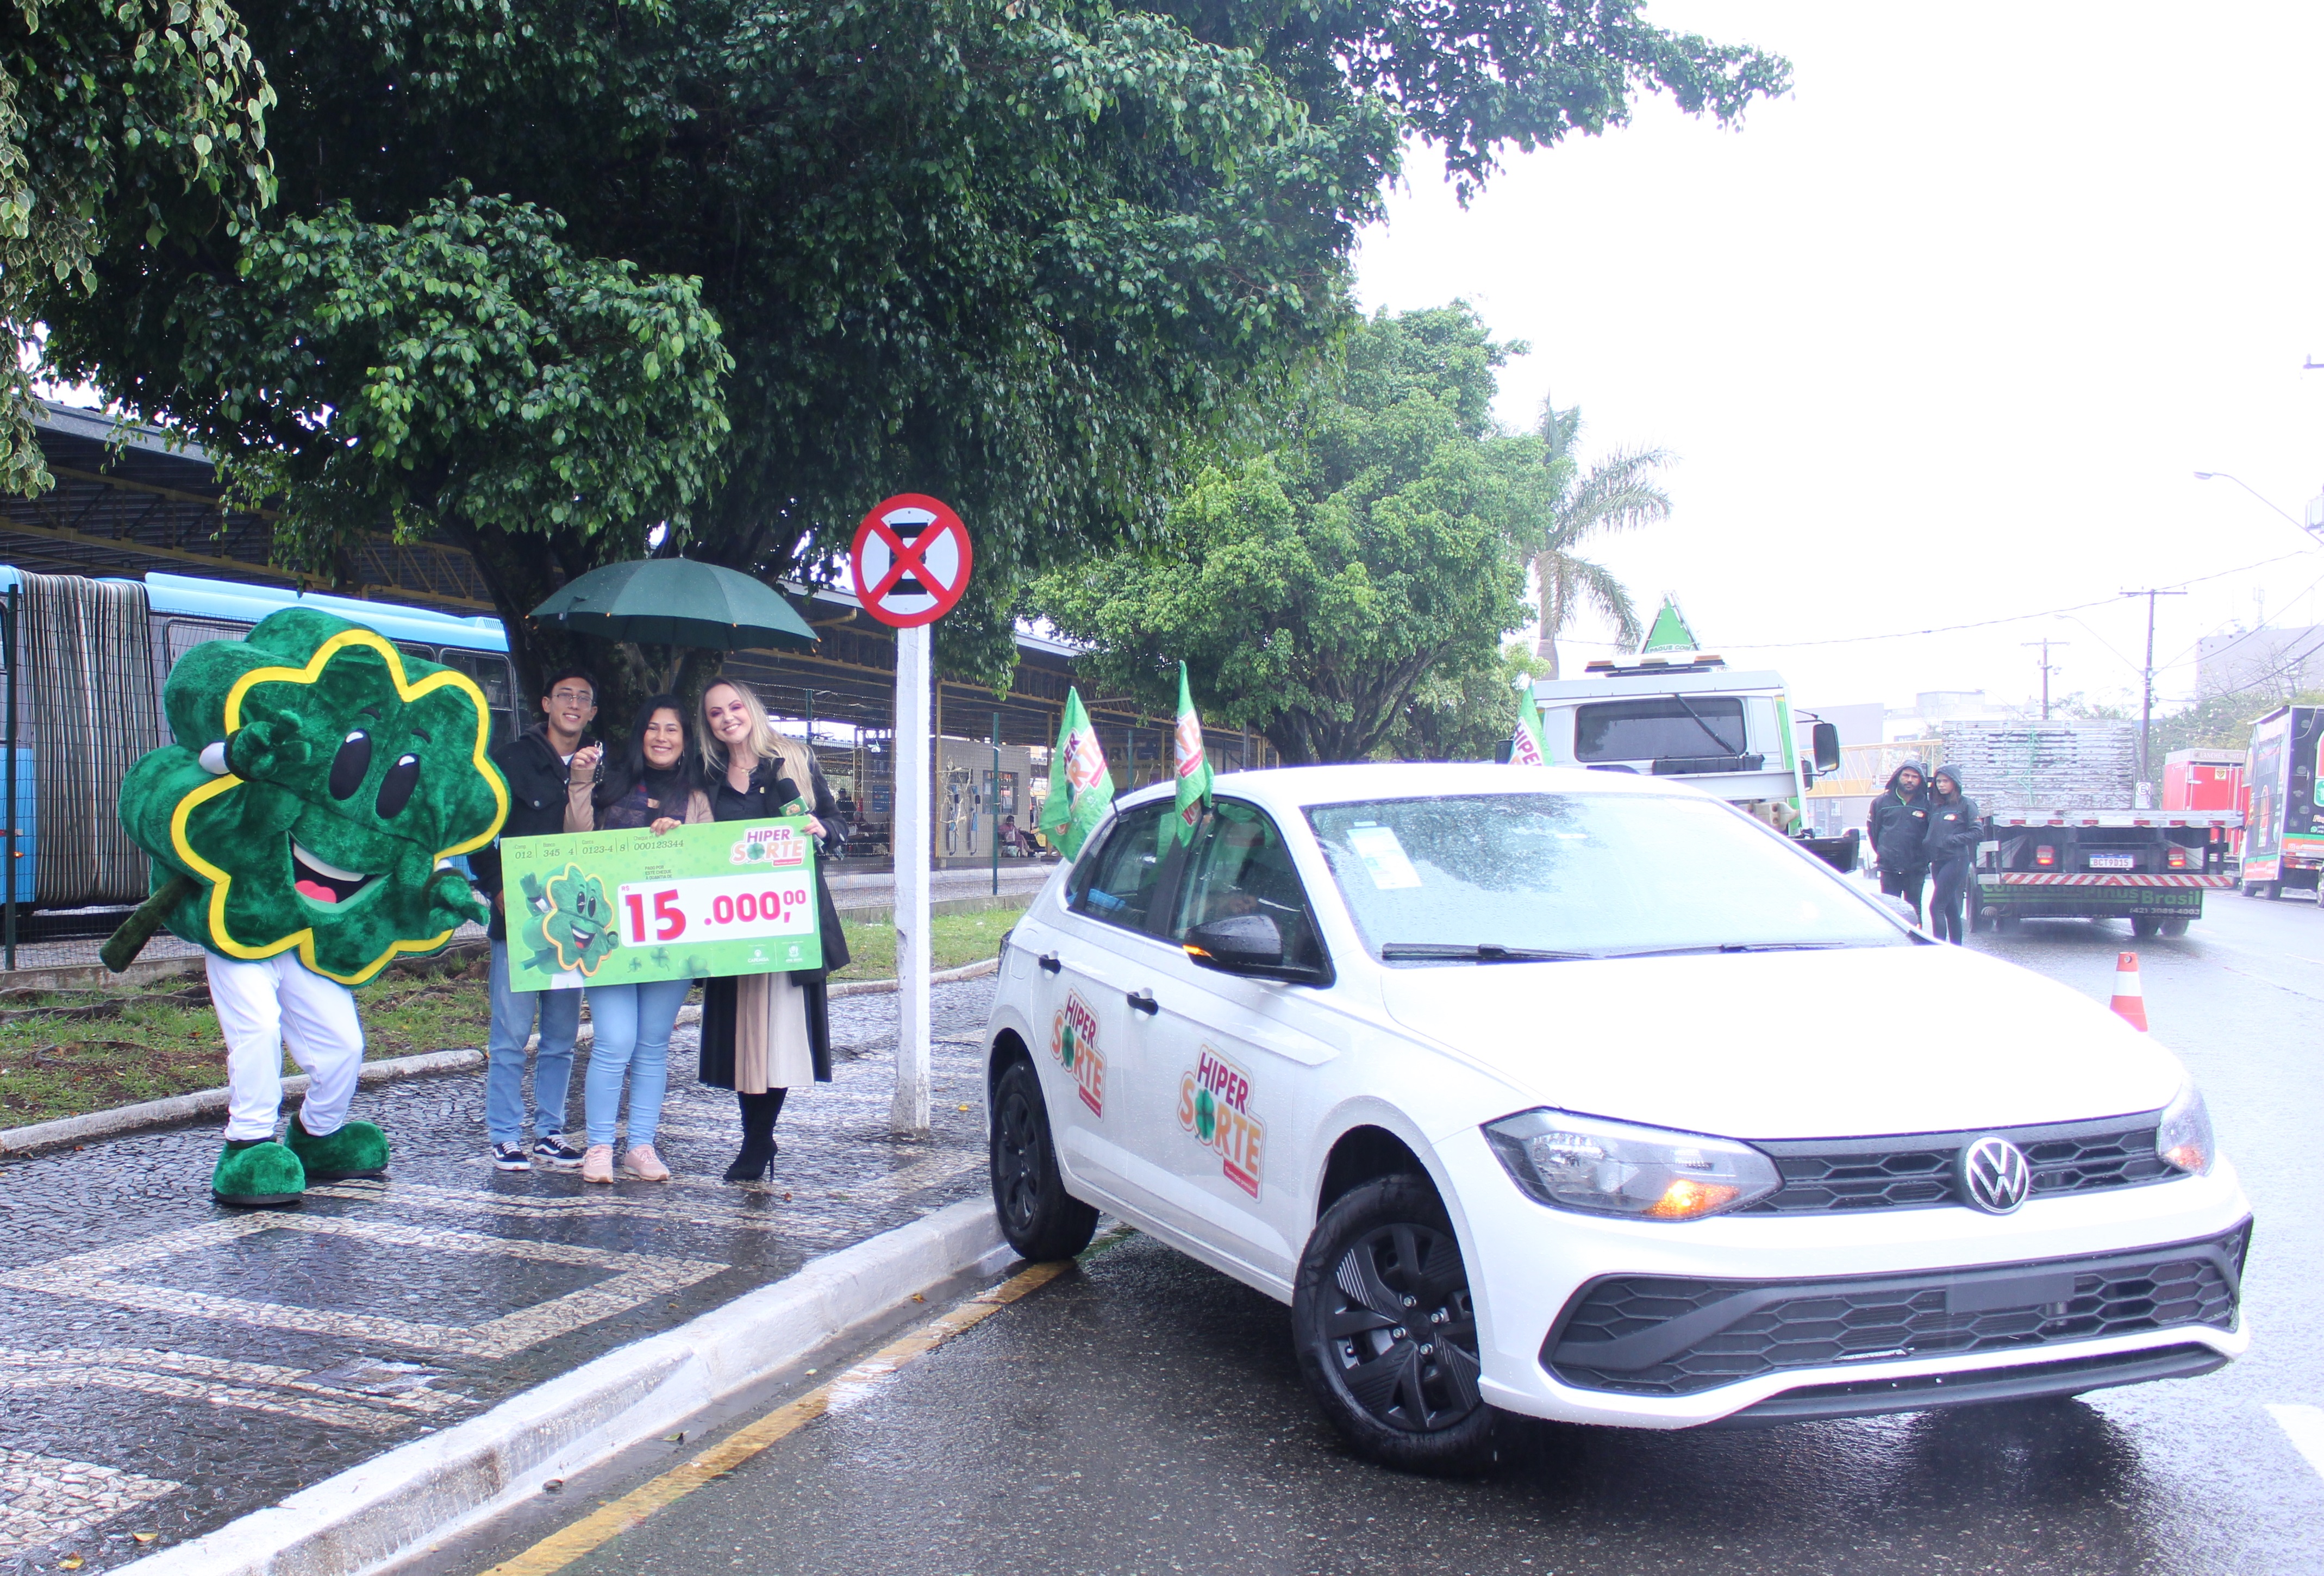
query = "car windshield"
x=1494 y=878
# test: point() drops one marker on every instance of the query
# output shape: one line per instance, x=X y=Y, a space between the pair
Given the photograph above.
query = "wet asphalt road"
x=1145 y=1414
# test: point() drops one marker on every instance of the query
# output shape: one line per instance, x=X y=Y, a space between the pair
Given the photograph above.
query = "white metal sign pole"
x=914 y=830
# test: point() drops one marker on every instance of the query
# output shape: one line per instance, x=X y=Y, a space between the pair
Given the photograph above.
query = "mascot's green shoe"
x=356 y=1150
x=257 y=1173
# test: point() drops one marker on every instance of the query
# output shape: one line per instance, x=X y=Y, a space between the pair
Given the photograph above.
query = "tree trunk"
x=1552 y=611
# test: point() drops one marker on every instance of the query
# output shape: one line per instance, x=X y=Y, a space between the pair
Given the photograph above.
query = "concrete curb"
x=205 y=1102
x=18 y=1142
x=432 y=1487
x=975 y=970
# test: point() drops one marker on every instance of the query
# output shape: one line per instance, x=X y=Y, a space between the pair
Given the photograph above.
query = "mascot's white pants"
x=274 y=1004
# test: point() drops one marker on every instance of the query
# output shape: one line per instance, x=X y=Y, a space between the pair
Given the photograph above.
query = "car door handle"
x=1050 y=964
x=1143 y=1002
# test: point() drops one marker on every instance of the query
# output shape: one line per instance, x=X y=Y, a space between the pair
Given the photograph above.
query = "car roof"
x=1294 y=788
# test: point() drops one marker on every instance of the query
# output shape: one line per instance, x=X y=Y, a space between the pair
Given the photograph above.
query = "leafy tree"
x=1617 y=493
x=1036 y=258
x=2224 y=722
x=1464 y=714
x=118 y=119
x=1311 y=590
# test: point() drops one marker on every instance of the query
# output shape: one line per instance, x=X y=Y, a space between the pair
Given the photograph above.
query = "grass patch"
x=66 y=1052
x=954 y=939
x=63 y=1053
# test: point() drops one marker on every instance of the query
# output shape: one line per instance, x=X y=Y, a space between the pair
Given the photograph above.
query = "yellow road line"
x=600 y=1527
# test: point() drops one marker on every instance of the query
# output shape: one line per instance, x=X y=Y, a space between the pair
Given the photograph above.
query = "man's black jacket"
x=537 y=776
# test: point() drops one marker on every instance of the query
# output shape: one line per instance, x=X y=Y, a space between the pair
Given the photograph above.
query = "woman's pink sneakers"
x=597 y=1164
x=644 y=1165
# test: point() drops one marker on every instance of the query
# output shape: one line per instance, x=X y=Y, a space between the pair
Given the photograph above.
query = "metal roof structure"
x=132 y=500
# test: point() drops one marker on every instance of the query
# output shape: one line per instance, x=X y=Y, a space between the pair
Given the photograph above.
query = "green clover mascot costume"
x=300 y=828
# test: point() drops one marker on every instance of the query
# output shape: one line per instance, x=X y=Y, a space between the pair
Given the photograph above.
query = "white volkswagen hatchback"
x=1588 y=1097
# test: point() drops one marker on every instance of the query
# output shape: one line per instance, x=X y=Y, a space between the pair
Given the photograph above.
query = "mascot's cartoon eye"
x=396 y=791
x=352 y=765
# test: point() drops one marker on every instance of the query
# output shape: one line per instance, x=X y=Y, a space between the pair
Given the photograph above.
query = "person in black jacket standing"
x=764 y=1034
x=1899 y=828
x=539 y=764
x=1950 y=845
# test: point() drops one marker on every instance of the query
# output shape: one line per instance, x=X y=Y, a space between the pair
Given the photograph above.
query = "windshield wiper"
x=1482 y=951
x=1705 y=726
x=1727 y=946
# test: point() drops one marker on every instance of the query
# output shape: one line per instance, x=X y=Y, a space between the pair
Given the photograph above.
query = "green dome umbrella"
x=677 y=602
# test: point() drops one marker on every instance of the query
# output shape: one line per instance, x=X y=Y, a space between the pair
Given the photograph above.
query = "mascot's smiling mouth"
x=321 y=882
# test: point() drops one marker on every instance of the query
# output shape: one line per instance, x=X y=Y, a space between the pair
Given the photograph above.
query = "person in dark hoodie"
x=1950 y=844
x=537 y=764
x=1899 y=827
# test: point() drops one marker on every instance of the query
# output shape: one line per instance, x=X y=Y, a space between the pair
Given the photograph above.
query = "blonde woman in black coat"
x=763 y=1033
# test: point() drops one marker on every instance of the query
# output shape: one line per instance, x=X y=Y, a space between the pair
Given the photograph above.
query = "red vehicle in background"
x=2207 y=779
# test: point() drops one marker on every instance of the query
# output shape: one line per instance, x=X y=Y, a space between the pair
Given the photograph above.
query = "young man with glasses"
x=539 y=764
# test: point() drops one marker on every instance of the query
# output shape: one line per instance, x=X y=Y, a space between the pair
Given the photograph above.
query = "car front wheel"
x=1386 y=1331
x=1040 y=1219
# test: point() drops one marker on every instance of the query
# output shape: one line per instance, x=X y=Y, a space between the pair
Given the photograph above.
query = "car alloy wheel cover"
x=1402 y=1331
x=1994 y=1176
x=1019 y=1137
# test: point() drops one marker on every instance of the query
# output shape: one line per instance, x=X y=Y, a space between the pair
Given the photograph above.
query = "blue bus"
x=89 y=656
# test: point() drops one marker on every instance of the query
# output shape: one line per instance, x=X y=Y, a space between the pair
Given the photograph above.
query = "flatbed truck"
x=2063 y=838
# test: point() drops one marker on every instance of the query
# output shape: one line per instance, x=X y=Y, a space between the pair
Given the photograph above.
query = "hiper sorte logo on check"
x=1073 y=1040
x=1215 y=1105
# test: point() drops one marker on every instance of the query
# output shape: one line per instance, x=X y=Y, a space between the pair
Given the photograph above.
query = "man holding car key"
x=539 y=765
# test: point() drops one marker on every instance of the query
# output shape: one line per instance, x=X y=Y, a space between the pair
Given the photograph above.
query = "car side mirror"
x=1826 y=736
x=1236 y=945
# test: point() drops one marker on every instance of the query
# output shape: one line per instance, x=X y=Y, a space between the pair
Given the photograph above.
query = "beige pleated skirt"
x=771 y=1042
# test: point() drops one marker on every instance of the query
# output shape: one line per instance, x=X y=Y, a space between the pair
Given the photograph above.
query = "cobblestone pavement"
x=167 y=1365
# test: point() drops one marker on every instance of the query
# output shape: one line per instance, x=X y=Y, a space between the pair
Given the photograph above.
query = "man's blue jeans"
x=513 y=1011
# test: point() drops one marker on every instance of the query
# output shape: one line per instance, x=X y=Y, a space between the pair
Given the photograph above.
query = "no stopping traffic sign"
x=911 y=560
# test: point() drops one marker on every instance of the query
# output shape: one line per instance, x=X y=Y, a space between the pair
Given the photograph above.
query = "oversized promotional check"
x=626 y=907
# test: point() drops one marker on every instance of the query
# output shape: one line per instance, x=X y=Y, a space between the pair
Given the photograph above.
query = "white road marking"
x=2305 y=1424
x=634 y=1279
x=46 y=1497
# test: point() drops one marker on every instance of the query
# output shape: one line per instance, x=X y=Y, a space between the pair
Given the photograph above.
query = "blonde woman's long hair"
x=766 y=743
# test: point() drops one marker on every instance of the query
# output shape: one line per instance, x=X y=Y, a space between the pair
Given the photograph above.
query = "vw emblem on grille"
x=1994 y=1176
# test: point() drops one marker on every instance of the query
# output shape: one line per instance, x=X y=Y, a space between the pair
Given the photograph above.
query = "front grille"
x=1660 y=1335
x=1826 y=1175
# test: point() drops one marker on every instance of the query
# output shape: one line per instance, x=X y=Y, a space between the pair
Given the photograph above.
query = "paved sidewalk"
x=167 y=1365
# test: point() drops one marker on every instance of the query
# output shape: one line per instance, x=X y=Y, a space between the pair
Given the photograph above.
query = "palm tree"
x=1617 y=493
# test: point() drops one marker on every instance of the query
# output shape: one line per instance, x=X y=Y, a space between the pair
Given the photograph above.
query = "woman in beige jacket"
x=652 y=787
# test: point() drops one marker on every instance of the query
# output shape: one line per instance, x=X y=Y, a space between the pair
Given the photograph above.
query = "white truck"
x=1688 y=716
x=2064 y=837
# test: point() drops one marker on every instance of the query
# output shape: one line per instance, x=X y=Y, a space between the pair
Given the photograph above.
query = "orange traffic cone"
x=2129 y=1000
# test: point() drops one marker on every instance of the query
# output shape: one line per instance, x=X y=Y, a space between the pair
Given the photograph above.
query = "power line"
x=1992 y=622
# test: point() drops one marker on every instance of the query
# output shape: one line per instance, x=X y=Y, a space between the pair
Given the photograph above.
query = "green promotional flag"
x=1525 y=744
x=1194 y=769
x=1080 y=789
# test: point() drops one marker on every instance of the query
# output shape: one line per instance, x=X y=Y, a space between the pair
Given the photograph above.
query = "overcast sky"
x=1941 y=336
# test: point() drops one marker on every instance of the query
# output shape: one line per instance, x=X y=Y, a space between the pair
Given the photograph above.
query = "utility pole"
x=2045 y=642
x=2147 y=704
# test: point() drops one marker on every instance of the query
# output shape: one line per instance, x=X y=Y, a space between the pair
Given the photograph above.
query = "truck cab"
x=1690 y=717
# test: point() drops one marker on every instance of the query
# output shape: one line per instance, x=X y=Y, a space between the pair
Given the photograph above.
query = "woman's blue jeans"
x=631 y=1025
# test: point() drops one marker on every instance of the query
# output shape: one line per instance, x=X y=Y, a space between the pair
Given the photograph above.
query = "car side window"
x=1242 y=866
x=1124 y=874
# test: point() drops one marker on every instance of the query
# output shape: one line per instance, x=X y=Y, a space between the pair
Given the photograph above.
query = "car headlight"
x=1604 y=1167
x=2183 y=1137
